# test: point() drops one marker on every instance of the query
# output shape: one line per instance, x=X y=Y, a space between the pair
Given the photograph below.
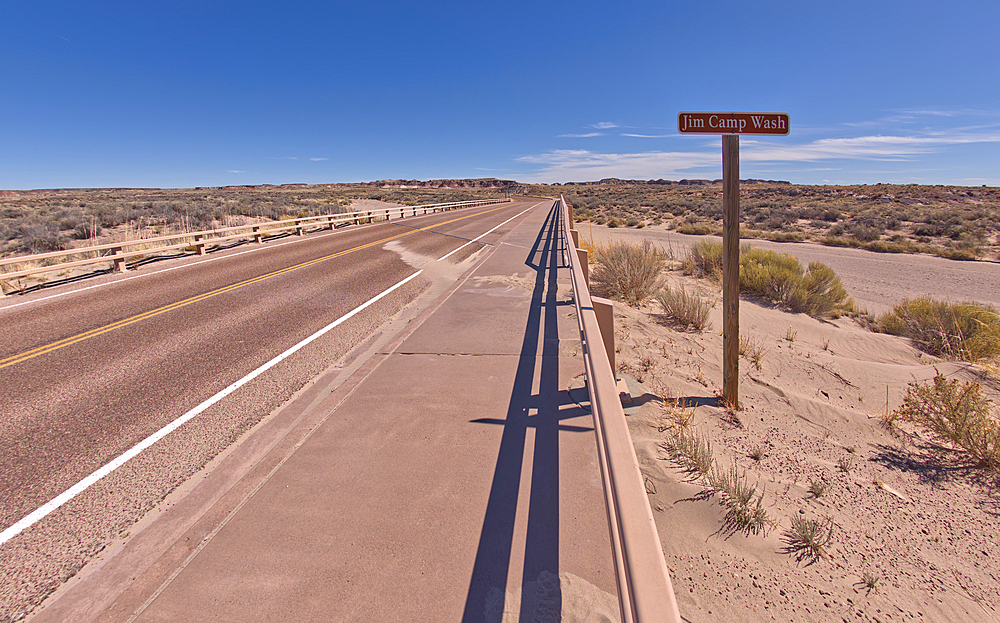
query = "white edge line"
x=81 y=486
x=492 y=230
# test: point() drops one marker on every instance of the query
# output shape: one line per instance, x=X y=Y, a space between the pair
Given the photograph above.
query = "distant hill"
x=614 y=181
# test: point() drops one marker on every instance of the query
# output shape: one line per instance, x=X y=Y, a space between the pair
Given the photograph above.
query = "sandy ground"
x=875 y=280
x=928 y=529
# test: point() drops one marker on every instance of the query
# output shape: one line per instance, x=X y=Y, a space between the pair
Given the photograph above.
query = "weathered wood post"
x=118 y=259
x=582 y=255
x=731 y=269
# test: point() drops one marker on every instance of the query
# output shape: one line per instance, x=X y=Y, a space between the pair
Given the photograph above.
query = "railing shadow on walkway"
x=486 y=597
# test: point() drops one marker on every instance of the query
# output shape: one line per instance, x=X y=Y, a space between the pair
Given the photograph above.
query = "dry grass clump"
x=628 y=272
x=956 y=413
x=808 y=538
x=870 y=581
x=691 y=451
x=704 y=259
x=817 y=488
x=684 y=308
x=968 y=331
x=745 y=503
x=778 y=277
x=674 y=414
x=752 y=350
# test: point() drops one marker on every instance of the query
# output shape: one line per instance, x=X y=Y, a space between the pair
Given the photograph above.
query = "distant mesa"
x=467 y=183
x=614 y=181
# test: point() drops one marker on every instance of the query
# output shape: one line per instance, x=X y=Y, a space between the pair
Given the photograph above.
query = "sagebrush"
x=778 y=277
x=966 y=331
x=955 y=413
x=628 y=272
x=684 y=308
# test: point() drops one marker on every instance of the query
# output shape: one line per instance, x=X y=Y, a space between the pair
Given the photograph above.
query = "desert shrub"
x=696 y=229
x=628 y=272
x=825 y=294
x=772 y=275
x=778 y=277
x=968 y=331
x=966 y=251
x=956 y=413
x=684 y=308
x=865 y=233
x=41 y=238
x=832 y=241
x=785 y=236
x=704 y=259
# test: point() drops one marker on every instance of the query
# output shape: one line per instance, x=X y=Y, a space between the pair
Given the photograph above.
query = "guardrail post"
x=329 y=222
x=298 y=227
x=605 y=312
x=576 y=238
x=582 y=255
x=257 y=237
x=119 y=262
x=198 y=245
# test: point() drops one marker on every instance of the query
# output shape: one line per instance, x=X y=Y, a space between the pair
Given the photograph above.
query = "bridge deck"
x=444 y=474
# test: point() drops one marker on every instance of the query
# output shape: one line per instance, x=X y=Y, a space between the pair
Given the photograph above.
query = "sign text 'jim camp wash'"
x=732 y=123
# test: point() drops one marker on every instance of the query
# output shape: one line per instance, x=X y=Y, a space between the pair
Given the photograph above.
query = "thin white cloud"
x=580 y=164
x=588 y=135
x=649 y=135
x=859 y=148
x=318 y=159
x=286 y=158
x=959 y=112
x=604 y=125
x=234 y=171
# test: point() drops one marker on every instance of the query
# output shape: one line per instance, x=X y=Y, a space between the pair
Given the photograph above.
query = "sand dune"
x=927 y=528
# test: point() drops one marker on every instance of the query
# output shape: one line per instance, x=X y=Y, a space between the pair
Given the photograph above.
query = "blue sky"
x=181 y=94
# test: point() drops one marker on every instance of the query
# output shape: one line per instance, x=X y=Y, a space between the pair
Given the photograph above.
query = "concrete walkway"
x=447 y=476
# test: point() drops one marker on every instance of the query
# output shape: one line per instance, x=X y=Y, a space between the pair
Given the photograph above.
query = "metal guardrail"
x=644 y=589
x=118 y=253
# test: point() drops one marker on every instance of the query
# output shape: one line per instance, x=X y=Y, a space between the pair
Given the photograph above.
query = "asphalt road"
x=90 y=370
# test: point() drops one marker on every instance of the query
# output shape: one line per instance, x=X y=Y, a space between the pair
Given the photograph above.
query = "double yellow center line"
x=48 y=348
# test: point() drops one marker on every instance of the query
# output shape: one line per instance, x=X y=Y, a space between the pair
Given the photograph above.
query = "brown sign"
x=732 y=123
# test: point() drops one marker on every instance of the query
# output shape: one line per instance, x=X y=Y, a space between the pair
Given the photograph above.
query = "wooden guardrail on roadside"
x=118 y=252
x=645 y=592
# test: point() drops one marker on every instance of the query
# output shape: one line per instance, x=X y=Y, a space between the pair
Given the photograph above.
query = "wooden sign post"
x=730 y=125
